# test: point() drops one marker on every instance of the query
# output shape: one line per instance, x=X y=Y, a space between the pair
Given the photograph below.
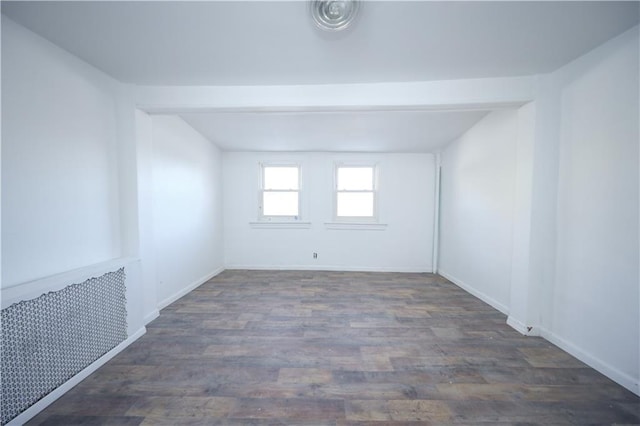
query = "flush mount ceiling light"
x=333 y=15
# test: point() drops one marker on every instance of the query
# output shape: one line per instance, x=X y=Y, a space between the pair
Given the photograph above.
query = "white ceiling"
x=276 y=43
x=356 y=131
x=273 y=43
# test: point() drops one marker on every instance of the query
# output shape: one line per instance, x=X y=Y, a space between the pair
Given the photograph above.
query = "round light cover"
x=333 y=15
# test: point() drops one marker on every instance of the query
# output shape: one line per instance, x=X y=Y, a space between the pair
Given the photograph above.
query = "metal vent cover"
x=47 y=340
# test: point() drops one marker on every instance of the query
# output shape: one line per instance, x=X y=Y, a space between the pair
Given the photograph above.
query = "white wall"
x=582 y=174
x=477 y=208
x=62 y=143
x=187 y=208
x=59 y=160
x=595 y=302
x=145 y=246
x=406 y=188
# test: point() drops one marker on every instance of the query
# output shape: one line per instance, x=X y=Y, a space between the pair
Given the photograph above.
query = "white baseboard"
x=522 y=328
x=36 y=408
x=197 y=283
x=480 y=295
x=151 y=316
x=623 y=379
x=421 y=269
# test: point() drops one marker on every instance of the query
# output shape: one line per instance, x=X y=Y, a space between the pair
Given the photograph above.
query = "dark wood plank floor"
x=333 y=348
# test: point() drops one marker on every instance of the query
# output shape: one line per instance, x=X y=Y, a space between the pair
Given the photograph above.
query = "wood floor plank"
x=189 y=407
x=339 y=348
x=291 y=409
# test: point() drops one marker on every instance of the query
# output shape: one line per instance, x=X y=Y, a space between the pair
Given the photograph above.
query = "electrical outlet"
x=315 y=255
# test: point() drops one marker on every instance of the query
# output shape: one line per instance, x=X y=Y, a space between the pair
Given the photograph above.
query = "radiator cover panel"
x=47 y=340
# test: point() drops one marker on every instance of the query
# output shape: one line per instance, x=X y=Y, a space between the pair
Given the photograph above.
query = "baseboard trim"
x=480 y=295
x=623 y=379
x=608 y=370
x=197 y=283
x=521 y=327
x=427 y=269
x=151 y=316
x=50 y=398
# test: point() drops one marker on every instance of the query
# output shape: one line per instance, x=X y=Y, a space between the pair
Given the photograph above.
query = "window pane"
x=281 y=177
x=355 y=178
x=355 y=204
x=280 y=203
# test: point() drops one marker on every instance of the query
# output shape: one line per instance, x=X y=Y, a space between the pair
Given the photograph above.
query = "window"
x=280 y=192
x=355 y=197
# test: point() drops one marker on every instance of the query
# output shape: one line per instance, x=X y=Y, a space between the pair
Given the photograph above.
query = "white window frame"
x=374 y=191
x=273 y=218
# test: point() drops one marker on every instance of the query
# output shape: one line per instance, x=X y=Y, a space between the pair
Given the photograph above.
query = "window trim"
x=262 y=218
x=375 y=191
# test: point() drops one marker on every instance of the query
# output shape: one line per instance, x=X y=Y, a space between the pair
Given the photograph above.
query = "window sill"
x=280 y=225
x=350 y=226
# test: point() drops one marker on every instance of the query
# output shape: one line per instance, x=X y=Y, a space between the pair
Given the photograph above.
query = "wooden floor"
x=334 y=348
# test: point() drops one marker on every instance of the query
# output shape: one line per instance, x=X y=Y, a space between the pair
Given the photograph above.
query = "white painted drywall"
x=266 y=43
x=59 y=160
x=62 y=146
x=477 y=208
x=0 y=161
x=595 y=304
x=476 y=93
x=187 y=208
x=146 y=247
x=406 y=188
x=523 y=300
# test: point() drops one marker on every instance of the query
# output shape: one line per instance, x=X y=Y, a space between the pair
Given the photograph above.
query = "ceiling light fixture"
x=334 y=15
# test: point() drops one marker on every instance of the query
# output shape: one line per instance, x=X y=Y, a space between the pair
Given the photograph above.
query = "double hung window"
x=280 y=192
x=355 y=193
